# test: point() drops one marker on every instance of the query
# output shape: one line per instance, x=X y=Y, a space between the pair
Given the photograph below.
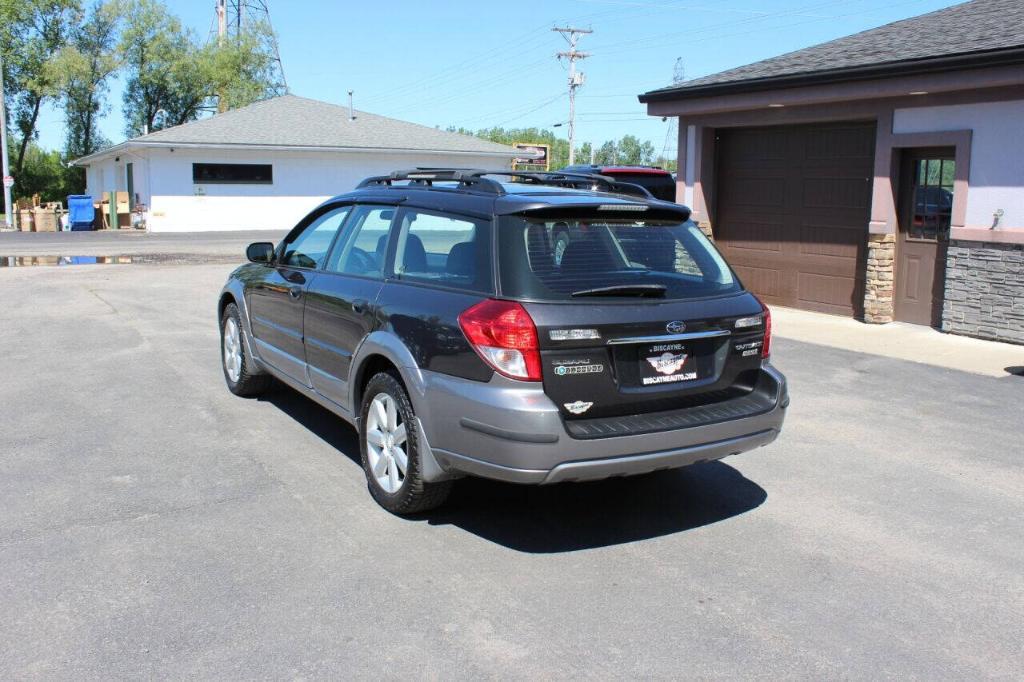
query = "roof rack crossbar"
x=477 y=180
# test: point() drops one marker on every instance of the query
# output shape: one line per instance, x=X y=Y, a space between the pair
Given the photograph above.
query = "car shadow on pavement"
x=568 y=516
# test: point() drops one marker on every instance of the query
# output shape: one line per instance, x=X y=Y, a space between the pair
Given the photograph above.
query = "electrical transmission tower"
x=235 y=17
x=572 y=36
x=678 y=76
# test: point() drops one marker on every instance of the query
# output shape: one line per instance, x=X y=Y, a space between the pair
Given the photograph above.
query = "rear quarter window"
x=445 y=250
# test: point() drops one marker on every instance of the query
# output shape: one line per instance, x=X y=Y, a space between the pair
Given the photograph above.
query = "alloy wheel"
x=386 y=443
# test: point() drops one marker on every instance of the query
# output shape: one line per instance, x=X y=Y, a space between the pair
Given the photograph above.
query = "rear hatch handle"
x=687 y=336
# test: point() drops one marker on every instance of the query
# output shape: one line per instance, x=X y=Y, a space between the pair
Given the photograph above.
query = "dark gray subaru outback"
x=431 y=309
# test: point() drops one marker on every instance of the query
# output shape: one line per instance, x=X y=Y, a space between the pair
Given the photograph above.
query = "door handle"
x=295 y=291
x=359 y=306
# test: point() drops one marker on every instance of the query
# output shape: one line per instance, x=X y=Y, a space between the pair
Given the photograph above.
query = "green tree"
x=45 y=173
x=632 y=152
x=165 y=81
x=607 y=153
x=82 y=71
x=241 y=70
x=33 y=32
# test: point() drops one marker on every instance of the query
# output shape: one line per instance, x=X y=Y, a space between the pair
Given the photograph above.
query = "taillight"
x=504 y=336
x=766 y=347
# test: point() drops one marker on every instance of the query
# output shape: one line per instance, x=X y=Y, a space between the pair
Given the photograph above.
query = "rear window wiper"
x=638 y=290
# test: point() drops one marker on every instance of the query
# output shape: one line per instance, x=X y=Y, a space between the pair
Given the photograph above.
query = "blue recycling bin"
x=81 y=213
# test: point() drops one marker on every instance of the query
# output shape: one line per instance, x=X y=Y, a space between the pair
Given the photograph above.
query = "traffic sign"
x=8 y=181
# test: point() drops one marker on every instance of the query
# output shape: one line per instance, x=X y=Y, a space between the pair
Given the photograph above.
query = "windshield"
x=554 y=260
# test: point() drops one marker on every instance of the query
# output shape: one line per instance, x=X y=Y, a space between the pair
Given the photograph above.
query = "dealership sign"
x=534 y=156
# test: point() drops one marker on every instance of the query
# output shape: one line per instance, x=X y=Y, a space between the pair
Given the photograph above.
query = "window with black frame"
x=232 y=174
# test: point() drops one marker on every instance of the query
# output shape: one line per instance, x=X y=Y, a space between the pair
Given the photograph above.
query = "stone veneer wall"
x=985 y=290
x=878 y=288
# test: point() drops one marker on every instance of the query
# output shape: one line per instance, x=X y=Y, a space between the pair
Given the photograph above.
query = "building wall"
x=301 y=180
x=985 y=290
x=996 y=179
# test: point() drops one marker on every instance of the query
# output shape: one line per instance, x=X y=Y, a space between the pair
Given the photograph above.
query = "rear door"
x=341 y=302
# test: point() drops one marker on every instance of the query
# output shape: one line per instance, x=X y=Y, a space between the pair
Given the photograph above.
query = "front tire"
x=390 y=446
x=240 y=372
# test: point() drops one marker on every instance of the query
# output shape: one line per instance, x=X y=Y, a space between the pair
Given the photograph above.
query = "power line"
x=572 y=36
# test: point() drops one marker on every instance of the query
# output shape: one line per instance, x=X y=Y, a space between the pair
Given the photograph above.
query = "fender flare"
x=387 y=345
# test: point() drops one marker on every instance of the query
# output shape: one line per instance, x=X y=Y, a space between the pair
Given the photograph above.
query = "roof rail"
x=477 y=180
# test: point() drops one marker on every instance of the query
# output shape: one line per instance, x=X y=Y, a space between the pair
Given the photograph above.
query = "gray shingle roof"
x=978 y=26
x=292 y=121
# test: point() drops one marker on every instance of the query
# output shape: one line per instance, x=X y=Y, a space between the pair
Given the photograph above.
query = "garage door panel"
x=836 y=193
x=829 y=143
x=832 y=241
x=756 y=236
x=756 y=192
x=796 y=232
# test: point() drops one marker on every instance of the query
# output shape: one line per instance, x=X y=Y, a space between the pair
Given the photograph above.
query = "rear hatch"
x=633 y=315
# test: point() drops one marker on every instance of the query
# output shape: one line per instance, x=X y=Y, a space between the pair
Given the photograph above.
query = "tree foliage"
x=81 y=72
x=33 y=32
x=629 y=151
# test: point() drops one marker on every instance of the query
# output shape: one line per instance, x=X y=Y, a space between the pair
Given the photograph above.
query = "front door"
x=277 y=298
x=926 y=207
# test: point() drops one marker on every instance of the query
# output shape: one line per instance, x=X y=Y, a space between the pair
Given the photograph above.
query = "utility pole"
x=8 y=206
x=572 y=35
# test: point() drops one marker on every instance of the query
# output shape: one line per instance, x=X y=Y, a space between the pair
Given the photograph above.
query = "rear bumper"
x=511 y=431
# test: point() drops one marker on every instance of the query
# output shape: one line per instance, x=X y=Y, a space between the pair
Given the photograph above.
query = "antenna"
x=234 y=17
x=678 y=76
x=351 y=110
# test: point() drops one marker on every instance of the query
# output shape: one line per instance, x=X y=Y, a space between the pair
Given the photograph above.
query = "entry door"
x=926 y=198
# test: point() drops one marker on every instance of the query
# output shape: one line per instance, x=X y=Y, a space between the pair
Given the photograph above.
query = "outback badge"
x=578 y=407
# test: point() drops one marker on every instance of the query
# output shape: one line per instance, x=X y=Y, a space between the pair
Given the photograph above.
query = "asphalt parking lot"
x=154 y=525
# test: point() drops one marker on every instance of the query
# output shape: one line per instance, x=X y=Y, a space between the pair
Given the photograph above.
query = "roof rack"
x=477 y=180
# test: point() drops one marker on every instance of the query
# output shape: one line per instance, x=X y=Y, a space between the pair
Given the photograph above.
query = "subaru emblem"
x=675 y=327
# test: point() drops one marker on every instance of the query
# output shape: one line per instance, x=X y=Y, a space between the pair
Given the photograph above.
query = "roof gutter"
x=123 y=147
x=912 y=67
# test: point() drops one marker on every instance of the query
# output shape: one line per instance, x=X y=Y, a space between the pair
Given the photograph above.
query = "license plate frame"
x=661 y=364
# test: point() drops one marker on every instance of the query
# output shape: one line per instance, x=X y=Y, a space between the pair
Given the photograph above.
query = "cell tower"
x=234 y=17
x=678 y=76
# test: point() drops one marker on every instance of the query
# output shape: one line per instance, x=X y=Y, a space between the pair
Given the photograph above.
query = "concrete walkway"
x=901 y=341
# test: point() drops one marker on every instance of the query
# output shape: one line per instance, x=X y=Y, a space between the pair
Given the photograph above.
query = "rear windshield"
x=557 y=260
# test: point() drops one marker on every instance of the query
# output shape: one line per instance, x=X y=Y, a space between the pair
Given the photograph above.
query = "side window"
x=450 y=251
x=363 y=249
x=308 y=248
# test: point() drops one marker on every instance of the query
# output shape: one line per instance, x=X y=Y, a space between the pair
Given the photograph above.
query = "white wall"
x=302 y=180
x=997 y=154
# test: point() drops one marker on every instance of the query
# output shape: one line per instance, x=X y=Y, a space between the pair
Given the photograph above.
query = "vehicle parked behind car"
x=658 y=181
x=505 y=325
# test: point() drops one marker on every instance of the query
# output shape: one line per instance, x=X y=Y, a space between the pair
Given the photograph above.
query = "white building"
x=266 y=165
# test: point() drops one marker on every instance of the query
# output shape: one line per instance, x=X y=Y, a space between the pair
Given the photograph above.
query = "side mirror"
x=260 y=252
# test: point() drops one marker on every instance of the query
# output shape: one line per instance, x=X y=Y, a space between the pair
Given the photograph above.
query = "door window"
x=933 y=199
x=309 y=247
x=363 y=249
x=445 y=250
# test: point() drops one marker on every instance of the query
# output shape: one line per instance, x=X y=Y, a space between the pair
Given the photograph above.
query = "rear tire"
x=242 y=375
x=390 y=446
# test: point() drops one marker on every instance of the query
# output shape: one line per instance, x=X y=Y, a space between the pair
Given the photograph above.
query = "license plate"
x=666 y=363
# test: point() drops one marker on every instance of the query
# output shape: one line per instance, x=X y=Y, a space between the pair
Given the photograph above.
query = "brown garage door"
x=793 y=206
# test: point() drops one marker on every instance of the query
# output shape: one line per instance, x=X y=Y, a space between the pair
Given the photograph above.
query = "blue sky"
x=483 y=63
